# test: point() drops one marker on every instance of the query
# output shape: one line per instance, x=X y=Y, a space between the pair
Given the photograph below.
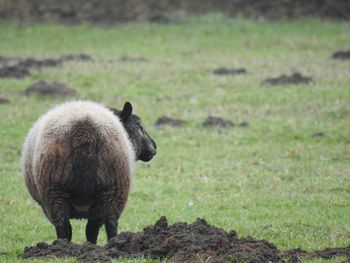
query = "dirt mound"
x=166 y=121
x=226 y=71
x=217 y=121
x=295 y=78
x=16 y=72
x=21 y=68
x=4 y=100
x=31 y=63
x=53 y=89
x=341 y=55
x=181 y=242
x=178 y=242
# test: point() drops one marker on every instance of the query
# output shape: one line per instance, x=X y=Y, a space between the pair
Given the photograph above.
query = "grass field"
x=272 y=180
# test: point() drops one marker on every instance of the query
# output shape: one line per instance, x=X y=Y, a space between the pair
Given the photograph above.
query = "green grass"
x=272 y=180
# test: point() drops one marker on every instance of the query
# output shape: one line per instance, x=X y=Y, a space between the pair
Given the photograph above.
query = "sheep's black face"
x=144 y=145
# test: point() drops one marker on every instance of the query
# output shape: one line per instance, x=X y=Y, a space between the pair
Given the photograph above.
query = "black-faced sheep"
x=77 y=162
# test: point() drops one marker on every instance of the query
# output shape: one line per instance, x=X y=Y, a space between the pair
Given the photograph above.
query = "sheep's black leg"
x=58 y=212
x=111 y=225
x=92 y=229
x=63 y=229
x=110 y=218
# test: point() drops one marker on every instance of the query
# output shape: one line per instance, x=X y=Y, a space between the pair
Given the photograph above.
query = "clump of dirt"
x=4 y=100
x=53 y=89
x=181 y=242
x=226 y=71
x=133 y=59
x=32 y=63
x=327 y=253
x=217 y=121
x=16 y=72
x=341 y=55
x=166 y=121
x=22 y=67
x=295 y=78
x=62 y=249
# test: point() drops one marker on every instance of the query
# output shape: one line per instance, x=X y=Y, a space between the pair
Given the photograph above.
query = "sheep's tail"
x=85 y=149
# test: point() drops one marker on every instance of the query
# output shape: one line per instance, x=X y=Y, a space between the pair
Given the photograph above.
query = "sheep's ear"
x=126 y=112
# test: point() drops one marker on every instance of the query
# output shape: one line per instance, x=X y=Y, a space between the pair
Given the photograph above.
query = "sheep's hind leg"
x=111 y=219
x=58 y=213
x=111 y=225
x=92 y=228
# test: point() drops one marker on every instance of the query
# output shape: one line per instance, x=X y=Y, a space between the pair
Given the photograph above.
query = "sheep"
x=77 y=162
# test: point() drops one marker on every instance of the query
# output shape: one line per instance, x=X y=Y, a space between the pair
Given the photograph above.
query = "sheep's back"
x=78 y=145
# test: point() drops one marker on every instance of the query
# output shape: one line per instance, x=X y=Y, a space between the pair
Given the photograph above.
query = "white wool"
x=60 y=119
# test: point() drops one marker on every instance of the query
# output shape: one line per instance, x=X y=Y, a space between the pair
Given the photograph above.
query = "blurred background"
x=112 y=11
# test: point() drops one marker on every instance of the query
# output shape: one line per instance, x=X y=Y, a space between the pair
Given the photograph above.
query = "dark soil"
x=226 y=71
x=53 y=89
x=327 y=253
x=21 y=68
x=295 y=78
x=16 y=72
x=4 y=100
x=341 y=55
x=217 y=121
x=32 y=63
x=180 y=242
x=166 y=121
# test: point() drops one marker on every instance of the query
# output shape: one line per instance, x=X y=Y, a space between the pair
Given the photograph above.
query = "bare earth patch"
x=16 y=72
x=341 y=55
x=166 y=121
x=227 y=71
x=20 y=68
x=180 y=242
x=32 y=63
x=4 y=100
x=295 y=78
x=218 y=122
x=53 y=89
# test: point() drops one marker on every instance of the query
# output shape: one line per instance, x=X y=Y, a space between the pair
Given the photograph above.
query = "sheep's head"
x=144 y=145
